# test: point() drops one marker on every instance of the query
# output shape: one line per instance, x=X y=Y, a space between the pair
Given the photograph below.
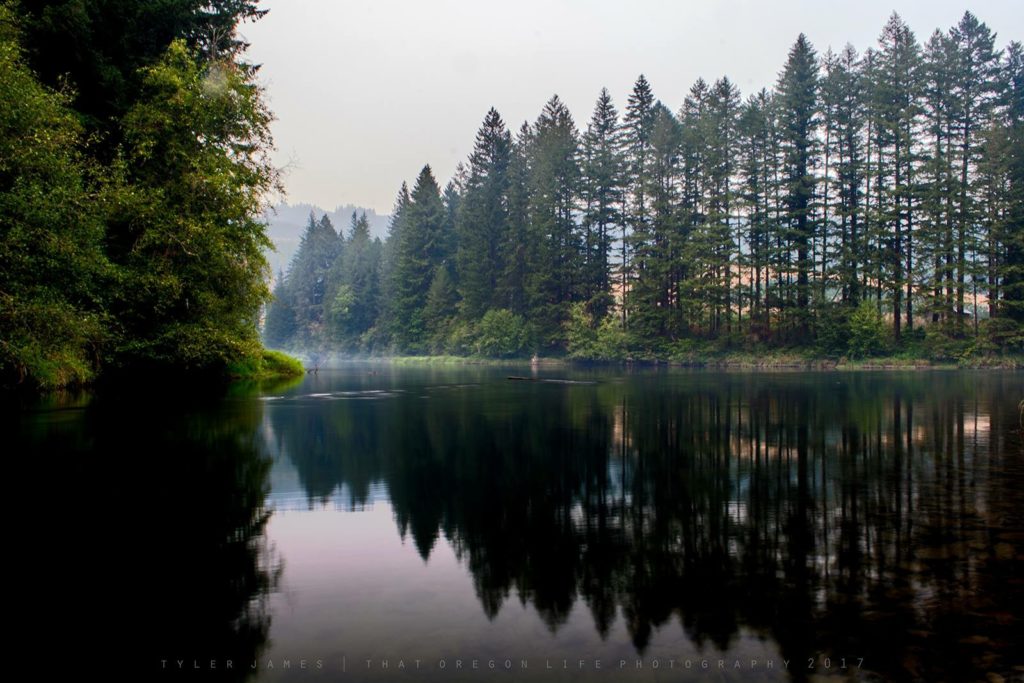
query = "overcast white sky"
x=366 y=92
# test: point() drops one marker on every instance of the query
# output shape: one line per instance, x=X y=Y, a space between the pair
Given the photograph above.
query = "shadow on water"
x=155 y=535
x=864 y=515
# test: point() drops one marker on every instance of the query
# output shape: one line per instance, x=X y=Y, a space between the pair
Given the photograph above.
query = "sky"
x=367 y=92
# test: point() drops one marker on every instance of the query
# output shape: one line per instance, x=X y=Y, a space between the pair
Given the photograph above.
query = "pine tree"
x=420 y=250
x=895 y=106
x=389 y=319
x=722 y=114
x=516 y=248
x=483 y=218
x=555 y=256
x=1005 y=163
x=601 y=193
x=657 y=251
x=308 y=279
x=354 y=299
x=842 y=98
x=797 y=102
x=441 y=306
x=938 y=214
x=696 y=286
x=755 y=174
x=975 y=85
x=637 y=126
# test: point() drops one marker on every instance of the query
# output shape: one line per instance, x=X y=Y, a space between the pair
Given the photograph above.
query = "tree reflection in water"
x=853 y=515
x=163 y=508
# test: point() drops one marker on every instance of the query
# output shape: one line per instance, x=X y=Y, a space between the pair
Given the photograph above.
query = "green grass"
x=268 y=364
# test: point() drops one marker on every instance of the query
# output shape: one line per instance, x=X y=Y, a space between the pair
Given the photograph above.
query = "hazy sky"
x=367 y=92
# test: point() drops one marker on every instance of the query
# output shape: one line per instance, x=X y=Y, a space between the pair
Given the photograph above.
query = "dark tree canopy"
x=131 y=227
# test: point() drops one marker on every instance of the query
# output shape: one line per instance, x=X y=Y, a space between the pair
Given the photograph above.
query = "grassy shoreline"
x=730 y=360
x=269 y=365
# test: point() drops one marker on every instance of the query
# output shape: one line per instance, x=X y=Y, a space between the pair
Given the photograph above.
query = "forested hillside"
x=133 y=177
x=869 y=202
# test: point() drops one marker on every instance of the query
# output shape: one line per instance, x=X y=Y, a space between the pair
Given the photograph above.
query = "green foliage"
x=501 y=334
x=103 y=48
x=341 y=307
x=461 y=338
x=867 y=331
x=742 y=225
x=832 y=329
x=483 y=218
x=266 y=364
x=420 y=250
x=999 y=334
x=51 y=327
x=130 y=234
x=306 y=290
x=188 y=241
x=441 y=307
x=353 y=289
x=590 y=339
x=942 y=346
x=601 y=192
x=552 y=244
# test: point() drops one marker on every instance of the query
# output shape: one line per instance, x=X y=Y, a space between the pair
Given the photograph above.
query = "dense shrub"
x=501 y=334
x=867 y=331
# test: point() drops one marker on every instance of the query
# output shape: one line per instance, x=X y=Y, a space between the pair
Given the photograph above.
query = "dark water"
x=382 y=523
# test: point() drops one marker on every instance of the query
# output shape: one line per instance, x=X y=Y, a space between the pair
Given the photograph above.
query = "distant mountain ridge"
x=286 y=223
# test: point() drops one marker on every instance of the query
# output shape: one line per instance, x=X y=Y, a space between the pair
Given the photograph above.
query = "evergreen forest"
x=869 y=203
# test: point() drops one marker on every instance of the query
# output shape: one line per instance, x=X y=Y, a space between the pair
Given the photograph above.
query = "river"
x=380 y=522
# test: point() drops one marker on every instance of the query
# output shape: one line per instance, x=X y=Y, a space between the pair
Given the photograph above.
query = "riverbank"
x=269 y=365
x=728 y=360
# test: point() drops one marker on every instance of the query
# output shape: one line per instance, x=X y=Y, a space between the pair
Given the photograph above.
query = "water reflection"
x=872 y=516
x=162 y=510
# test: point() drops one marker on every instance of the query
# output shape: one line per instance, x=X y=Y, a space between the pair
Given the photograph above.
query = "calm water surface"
x=385 y=523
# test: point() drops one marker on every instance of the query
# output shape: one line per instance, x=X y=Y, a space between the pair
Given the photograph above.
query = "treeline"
x=868 y=202
x=133 y=168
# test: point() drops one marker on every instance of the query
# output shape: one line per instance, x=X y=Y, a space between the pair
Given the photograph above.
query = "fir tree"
x=555 y=255
x=307 y=280
x=601 y=193
x=483 y=218
x=389 y=319
x=657 y=252
x=637 y=126
x=419 y=252
x=355 y=297
x=797 y=101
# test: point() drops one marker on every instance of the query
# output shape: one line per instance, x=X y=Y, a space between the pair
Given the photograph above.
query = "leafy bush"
x=867 y=331
x=52 y=271
x=460 y=339
x=590 y=340
x=1002 y=333
x=832 y=329
x=501 y=334
x=943 y=347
